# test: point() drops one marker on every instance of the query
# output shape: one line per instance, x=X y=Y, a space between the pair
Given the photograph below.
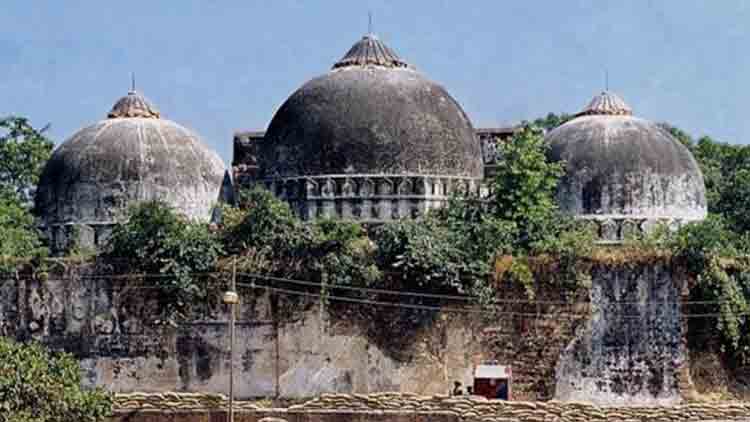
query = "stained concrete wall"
x=555 y=350
x=631 y=350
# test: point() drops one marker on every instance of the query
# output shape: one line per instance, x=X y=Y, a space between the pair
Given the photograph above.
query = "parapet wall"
x=394 y=407
x=579 y=351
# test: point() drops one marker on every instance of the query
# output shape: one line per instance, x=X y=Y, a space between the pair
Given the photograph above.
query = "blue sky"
x=217 y=67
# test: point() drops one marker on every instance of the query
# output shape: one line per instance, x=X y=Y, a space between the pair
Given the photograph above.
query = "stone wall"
x=394 y=407
x=340 y=348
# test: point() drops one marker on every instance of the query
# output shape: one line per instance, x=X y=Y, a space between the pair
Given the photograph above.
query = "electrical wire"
x=454 y=297
x=369 y=290
x=485 y=310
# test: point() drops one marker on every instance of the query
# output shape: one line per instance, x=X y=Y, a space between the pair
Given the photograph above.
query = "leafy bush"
x=19 y=236
x=421 y=253
x=157 y=241
x=713 y=253
x=735 y=199
x=270 y=240
x=343 y=254
x=39 y=386
x=264 y=223
x=523 y=188
x=552 y=120
x=695 y=244
x=443 y=252
x=24 y=151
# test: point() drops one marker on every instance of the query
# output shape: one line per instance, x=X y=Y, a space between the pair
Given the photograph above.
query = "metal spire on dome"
x=133 y=105
x=370 y=51
x=606 y=104
x=606 y=80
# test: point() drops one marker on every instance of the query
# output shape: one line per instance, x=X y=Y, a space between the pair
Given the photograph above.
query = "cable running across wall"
x=370 y=290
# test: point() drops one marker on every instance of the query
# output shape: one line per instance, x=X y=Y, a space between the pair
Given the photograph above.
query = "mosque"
x=373 y=140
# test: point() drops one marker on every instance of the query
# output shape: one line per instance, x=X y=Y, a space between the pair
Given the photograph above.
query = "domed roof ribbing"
x=371 y=113
x=130 y=156
x=620 y=166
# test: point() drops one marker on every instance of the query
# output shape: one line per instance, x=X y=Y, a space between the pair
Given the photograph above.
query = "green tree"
x=523 y=188
x=23 y=152
x=171 y=250
x=19 y=237
x=265 y=223
x=451 y=250
x=324 y=250
x=552 y=120
x=734 y=199
x=727 y=178
x=341 y=253
x=421 y=254
x=679 y=134
x=717 y=256
x=39 y=386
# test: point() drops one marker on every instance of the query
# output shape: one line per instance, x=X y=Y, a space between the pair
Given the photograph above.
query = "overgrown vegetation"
x=39 y=386
x=716 y=250
x=23 y=152
x=19 y=236
x=173 y=254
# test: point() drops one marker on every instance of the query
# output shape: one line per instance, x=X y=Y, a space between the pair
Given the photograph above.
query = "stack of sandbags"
x=175 y=401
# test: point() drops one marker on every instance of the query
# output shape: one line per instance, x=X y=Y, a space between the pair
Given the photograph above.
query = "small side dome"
x=133 y=155
x=625 y=171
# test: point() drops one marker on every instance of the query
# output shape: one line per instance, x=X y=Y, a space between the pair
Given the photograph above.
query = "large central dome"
x=371 y=114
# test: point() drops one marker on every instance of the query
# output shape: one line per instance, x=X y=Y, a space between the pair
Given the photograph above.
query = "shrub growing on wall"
x=264 y=223
x=170 y=251
x=523 y=188
x=717 y=257
x=39 y=386
x=272 y=244
x=18 y=235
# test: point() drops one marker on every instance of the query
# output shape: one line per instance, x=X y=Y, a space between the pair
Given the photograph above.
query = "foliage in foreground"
x=36 y=385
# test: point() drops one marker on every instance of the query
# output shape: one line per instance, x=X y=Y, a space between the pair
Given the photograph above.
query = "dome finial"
x=370 y=51
x=606 y=104
x=133 y=105
x=606 y=79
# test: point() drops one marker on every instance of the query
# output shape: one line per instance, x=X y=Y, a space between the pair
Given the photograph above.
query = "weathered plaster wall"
x=358 y=349
x=631 y=349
